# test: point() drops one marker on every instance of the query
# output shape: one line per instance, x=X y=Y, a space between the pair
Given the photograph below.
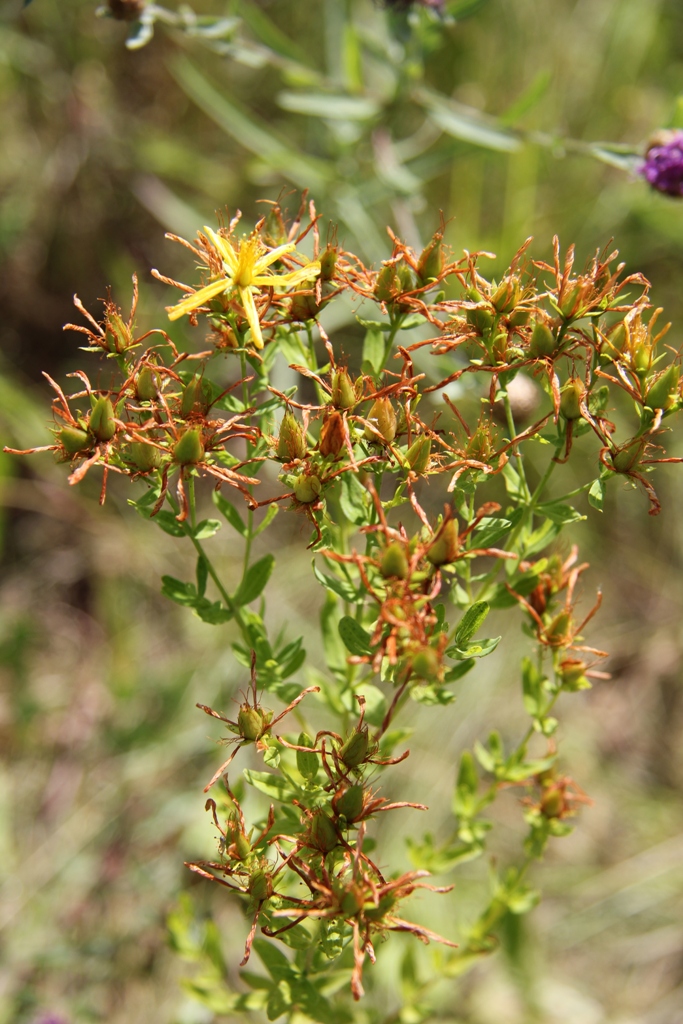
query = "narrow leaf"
x=254 y=581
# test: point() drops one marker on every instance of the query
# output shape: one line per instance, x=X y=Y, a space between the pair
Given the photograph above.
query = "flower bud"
x=189 y=449
x=481 y=318
x=394 y=563
x=102 y=424
x=642 y=358
x=118 y=337
x=251 y=722
x=196 y=399
x=307 y=487
x=662 y=391
x=343 y=393
x=321 y=834
x=145 y=456
x=146 y=385
x=628 y=456
x=570 y=399
x=507 y=295
x=382 y=422
x=260 y=885
x=306 y=760
x=328 y=263
x=355 y=749
x=331 y=434
x=418 y=454
x=291 y=442
x=542 y=342
x=431 y=261
x=348 y=802
x=426 y=664
x=73 y=440
x=573 y=675
x=444 y=548
x=570 y=305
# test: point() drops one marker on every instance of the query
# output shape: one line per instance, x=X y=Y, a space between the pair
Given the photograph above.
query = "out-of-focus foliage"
x=102 y=754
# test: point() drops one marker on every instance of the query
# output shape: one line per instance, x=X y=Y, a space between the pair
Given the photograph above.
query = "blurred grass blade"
x=331 y=105
x=466 y=123
x=240 y=125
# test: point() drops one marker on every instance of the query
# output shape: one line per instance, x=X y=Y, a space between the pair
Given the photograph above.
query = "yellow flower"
x=246 y=264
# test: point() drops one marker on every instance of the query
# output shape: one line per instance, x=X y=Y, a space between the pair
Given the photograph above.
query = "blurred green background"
x=103 y=756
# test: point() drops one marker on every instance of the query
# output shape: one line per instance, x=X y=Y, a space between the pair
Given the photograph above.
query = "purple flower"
x=51 y=1018
x=663 y=165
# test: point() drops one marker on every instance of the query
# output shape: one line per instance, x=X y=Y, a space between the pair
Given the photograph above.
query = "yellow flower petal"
x=269 y=257
x=247 y=300
x=294 y=277
x=192 y=302
x=226 y=250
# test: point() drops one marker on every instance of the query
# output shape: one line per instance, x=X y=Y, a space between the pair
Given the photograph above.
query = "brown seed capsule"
x=331 y=434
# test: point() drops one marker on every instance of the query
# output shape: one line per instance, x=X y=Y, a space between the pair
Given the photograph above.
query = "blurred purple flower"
x=51 y=1018
x=663 y=164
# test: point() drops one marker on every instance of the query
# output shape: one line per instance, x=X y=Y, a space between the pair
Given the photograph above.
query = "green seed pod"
x=444 y=548
x=628 y=456
x=570 y=399
x=102 y=424
x=331 y=439
x=573 y=675
x=662 y=392
x=558 y=631
x=642 y=358
x=348 y=802
x=570 y=305
x=260 y=885
x=431 y=261
x=242 y=846
x=118 y=337
x=189 y=448
x=145 y=456
x=387 y=284
x=426 y=664
x=196 y=398
x=306 y=761
x=519 y=317
x=355 y=749
x=542 y=342
x=553 y=802
x=343 y=394
x=507 y=295
x=307 y=488
x=406 y=278
x=146 y=385
x=382 y=420
x=322 y=834
x=251 y=722
x=394 y=563
x=291 y=442
x=419 y=453
x=328 y=263
x=74 y=440
x=372 y=912
x=303 y=307
x=351 y=902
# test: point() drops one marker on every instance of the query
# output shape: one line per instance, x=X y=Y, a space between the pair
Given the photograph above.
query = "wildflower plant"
x=425 y=491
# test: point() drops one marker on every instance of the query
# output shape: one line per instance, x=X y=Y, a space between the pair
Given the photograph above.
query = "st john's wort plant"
x=425 y=502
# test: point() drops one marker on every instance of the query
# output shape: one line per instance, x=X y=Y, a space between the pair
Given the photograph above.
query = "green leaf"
x=471 y=621
x=458 y=671
x=274 y=786
x=475 y=649
x=464 y=798
x=354 y=499
x=467 y=123
x=541 y=537
x=430 y=694
x=279 y=1001
x=168 y=523
x=267 y=519
x=342 y=588
x=559 y=513
x=202 y=575
x=532 y=688
x=274 y=960
x=373 y=348
x=207 y=528
x=354 y=637
x=228 y=510
x=596 y=494
x=335 y=654
x=254 y=581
